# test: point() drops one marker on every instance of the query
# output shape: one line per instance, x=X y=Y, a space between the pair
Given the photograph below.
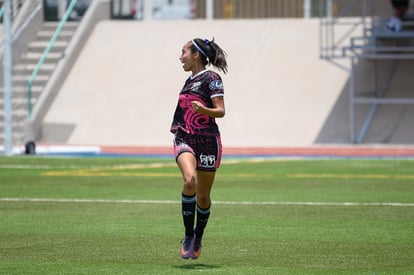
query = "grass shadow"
x=196 y=266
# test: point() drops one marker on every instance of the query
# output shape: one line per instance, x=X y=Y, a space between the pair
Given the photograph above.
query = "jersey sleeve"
x=215 y=85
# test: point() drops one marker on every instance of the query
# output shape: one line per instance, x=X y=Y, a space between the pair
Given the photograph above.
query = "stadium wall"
x=122 y=88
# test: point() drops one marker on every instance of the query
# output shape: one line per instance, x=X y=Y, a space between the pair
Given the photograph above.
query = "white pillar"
x=14 y=8
x=7 y=69
x=209 y=9
x=307 y=9
x=61 y=8
x=329 y=10
x=147 y=10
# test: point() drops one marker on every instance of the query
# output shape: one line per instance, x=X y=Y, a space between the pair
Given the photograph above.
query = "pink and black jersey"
x=202 y=87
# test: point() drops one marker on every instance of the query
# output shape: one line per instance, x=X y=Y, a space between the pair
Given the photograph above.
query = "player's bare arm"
x=217 y=111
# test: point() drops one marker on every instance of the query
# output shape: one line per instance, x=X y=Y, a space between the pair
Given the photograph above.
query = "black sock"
x=202 y=219
x=188 y=204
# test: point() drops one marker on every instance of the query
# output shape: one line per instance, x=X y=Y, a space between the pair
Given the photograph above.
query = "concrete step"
x=40 y=46
x=51 y=26
x=19 y=109
x=33 y=57
x=17 y=135
x=17 y=126
x=27 y=69
x=21 y=91
x=21 y=80
x=47 y=35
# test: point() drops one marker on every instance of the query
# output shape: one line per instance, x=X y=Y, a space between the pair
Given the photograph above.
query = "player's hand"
x=196 y=106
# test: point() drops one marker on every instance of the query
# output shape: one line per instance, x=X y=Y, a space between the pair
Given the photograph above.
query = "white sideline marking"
x=112 y=167
x=134 y=165
x=397 y=204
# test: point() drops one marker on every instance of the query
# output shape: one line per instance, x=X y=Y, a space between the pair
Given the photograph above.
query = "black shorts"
x=400 y=3
x=206 y=149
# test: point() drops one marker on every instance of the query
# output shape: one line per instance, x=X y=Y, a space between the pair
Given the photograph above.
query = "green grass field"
x=122 y=216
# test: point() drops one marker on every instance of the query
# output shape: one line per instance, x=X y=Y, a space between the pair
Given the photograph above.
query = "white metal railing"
x=16 y=18
x=150 y=9
x=364 y=37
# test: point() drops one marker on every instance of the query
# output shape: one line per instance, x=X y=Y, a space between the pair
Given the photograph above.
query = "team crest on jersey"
x=195 y=86
x=215 y=85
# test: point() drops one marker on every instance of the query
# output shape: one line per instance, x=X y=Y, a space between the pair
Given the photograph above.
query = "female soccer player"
x=197 y=144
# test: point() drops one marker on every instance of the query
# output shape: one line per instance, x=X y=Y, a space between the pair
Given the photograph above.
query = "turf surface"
x=122 y=216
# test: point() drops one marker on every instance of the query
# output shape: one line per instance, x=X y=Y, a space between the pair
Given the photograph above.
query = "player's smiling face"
x=187 y=57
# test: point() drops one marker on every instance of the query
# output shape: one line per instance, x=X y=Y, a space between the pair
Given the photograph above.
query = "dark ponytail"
x=210 y=53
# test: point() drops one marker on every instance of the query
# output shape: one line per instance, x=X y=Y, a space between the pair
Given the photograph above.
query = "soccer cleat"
x=186 y=247
x=196 y=248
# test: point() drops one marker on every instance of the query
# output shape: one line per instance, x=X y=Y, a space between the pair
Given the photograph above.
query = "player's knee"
x=190 y=181
x=203 y=200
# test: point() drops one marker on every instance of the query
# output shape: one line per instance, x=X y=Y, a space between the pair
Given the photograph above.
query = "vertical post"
x=364 y=17
x=209 y=9
x=329 y=11
x=61 y=9
x=321 y=30
x=14 y=8
x=331 y=29
x=7 y=69
x=307 y=11
x=352 y=102
x=147 y=10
